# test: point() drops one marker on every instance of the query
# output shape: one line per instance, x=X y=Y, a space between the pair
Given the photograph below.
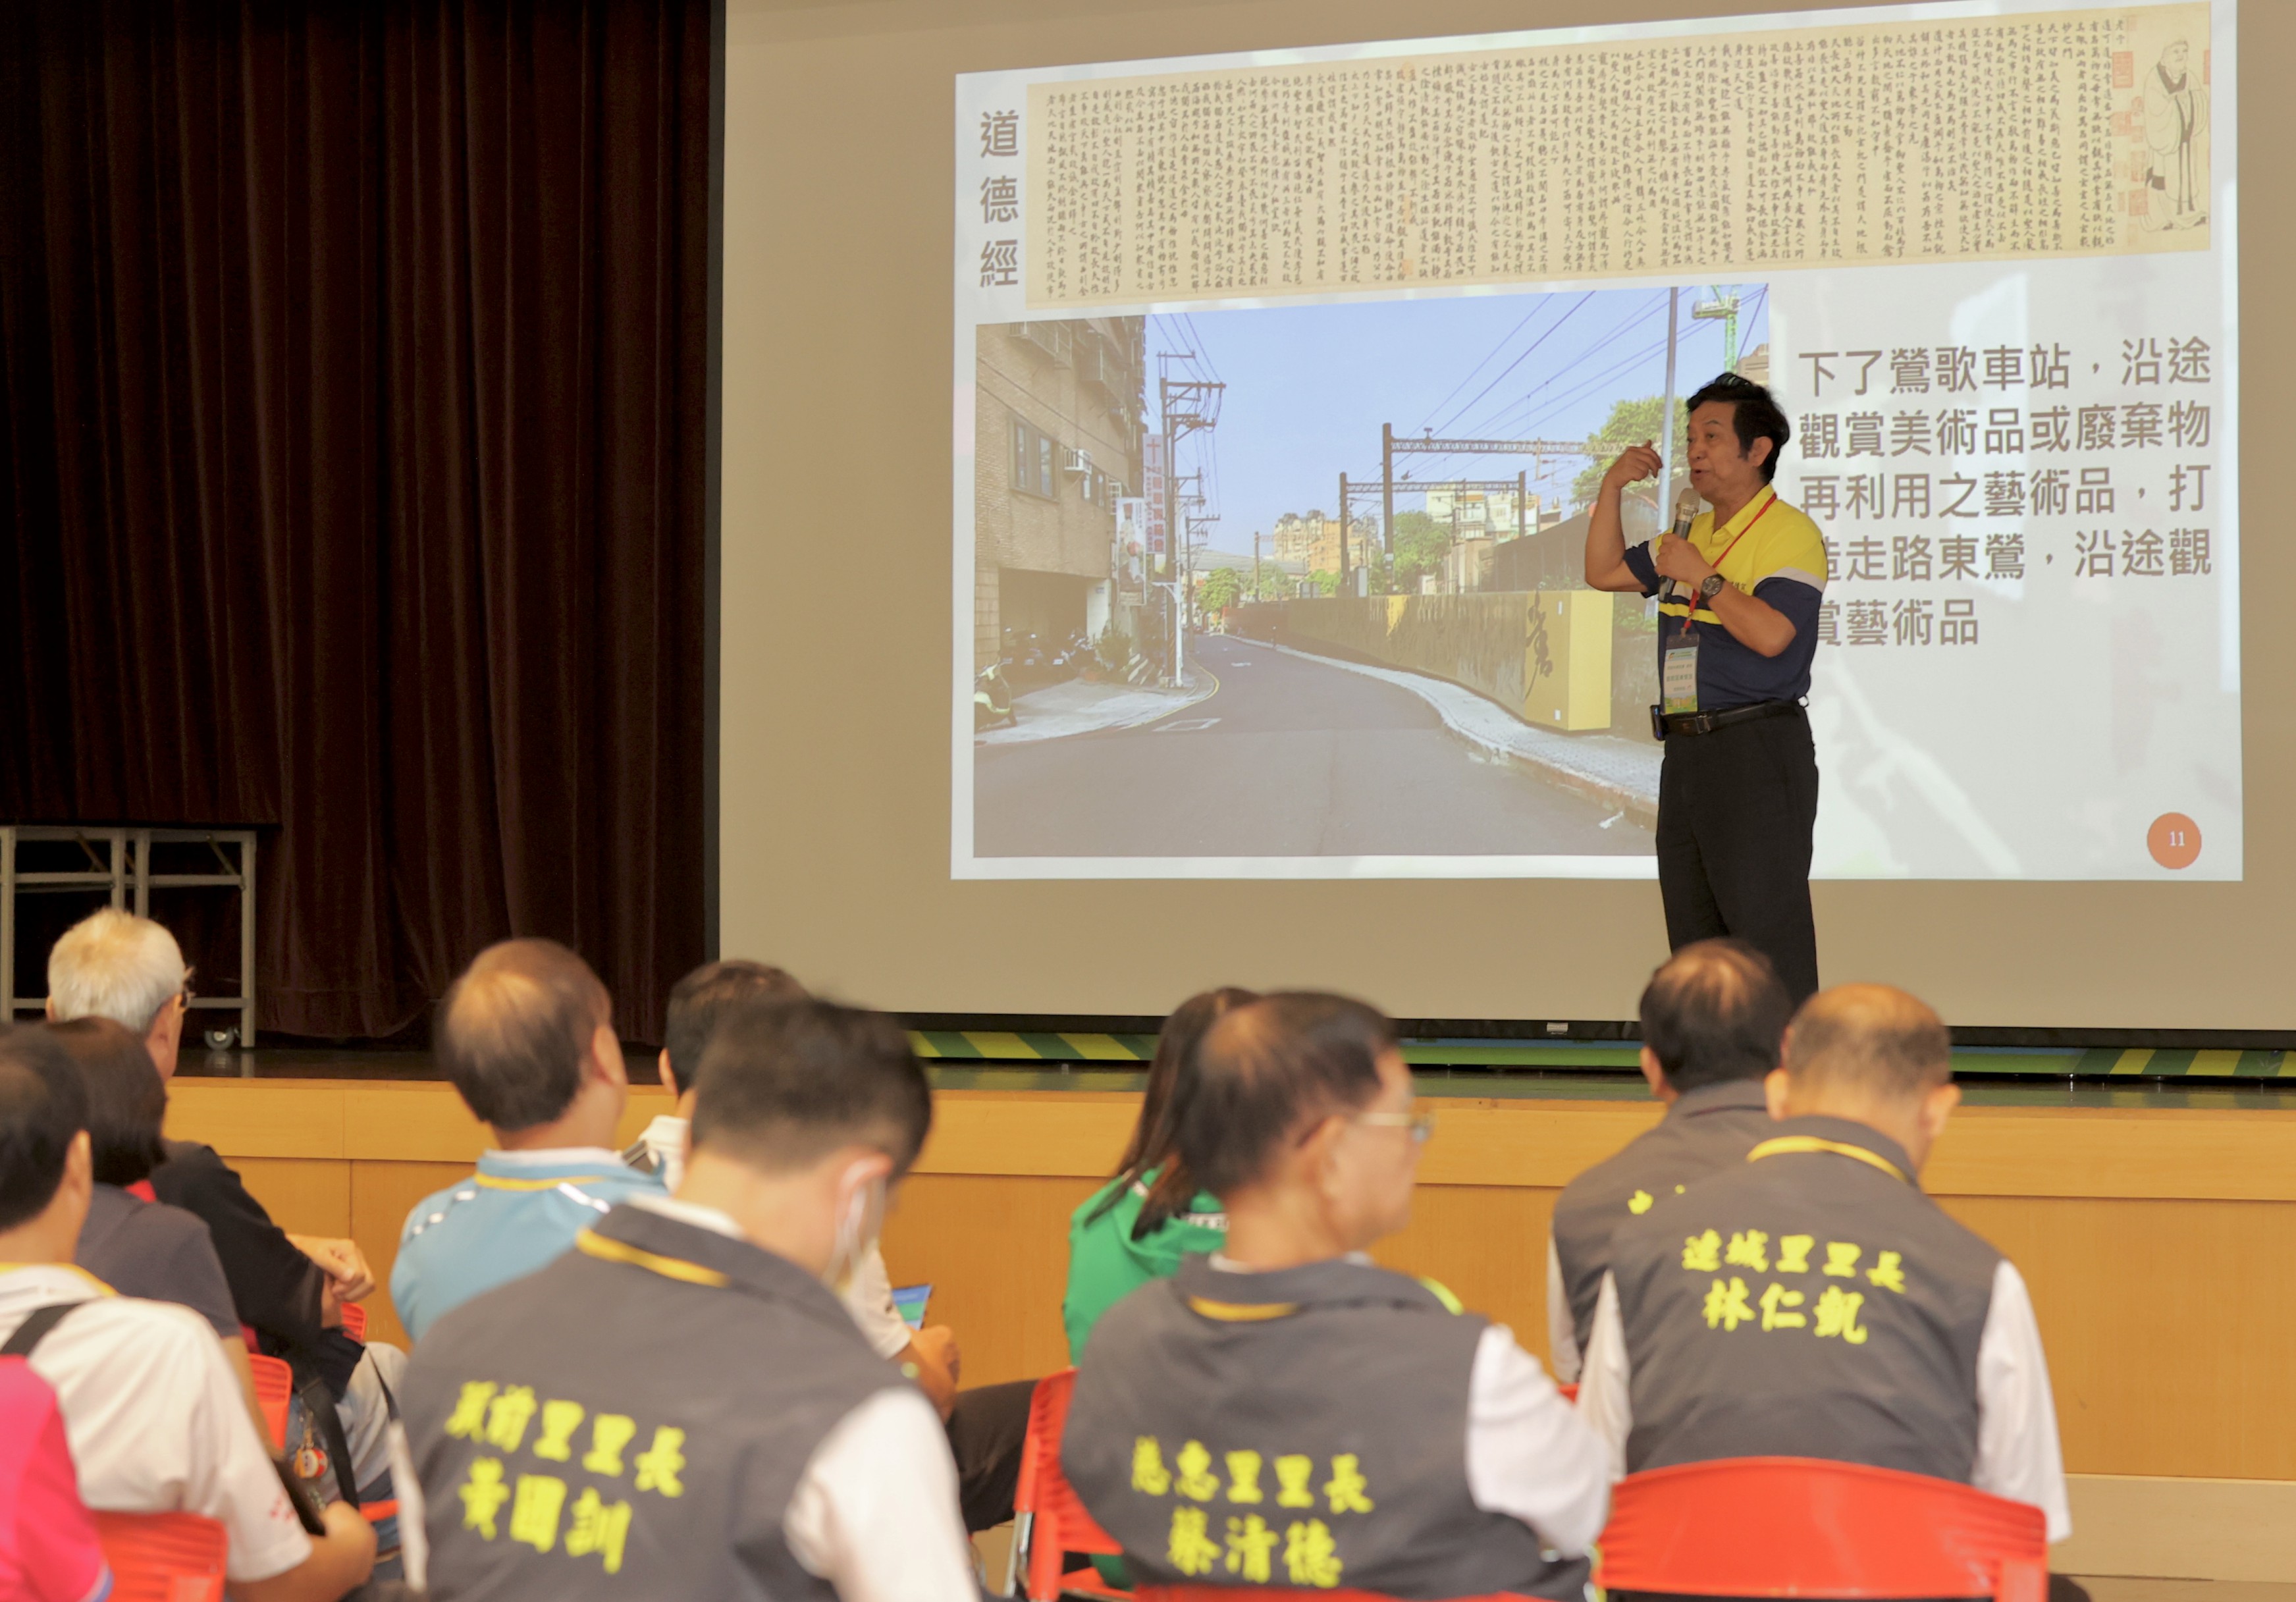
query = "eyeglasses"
x=187 y=995
x=1420 y=1124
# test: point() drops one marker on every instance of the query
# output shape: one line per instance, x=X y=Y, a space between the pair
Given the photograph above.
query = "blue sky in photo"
x=1308 y=386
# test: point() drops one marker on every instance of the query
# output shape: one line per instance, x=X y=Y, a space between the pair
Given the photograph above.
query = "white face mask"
x=857 y=1227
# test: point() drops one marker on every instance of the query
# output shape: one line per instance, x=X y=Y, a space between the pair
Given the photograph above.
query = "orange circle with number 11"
x=2174 y=839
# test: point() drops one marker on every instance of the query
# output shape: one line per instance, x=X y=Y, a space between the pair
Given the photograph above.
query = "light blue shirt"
x=519 y=1210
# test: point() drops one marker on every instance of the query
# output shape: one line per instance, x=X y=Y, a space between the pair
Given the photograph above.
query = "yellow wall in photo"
x=1566 y=659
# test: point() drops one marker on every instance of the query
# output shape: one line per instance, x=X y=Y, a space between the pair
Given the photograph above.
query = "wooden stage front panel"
x=2155 y=1240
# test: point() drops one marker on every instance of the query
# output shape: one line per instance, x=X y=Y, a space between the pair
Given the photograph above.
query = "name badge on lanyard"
x=1679 y=674
x=1679 y=666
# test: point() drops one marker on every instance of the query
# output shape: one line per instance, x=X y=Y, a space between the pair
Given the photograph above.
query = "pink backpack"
x=48 y=1546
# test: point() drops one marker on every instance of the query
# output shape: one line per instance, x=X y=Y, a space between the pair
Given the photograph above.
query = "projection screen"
x=1241 y=636
x=1295 y=373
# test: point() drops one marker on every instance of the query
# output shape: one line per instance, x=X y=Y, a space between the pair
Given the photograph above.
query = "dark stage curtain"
x=353 y=469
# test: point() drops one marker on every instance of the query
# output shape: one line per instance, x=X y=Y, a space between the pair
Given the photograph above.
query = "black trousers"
x=986 y=1431
x=1736 y=808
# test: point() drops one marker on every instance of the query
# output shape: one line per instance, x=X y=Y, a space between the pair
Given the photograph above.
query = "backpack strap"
x=34 y=1328
x=320 y=1406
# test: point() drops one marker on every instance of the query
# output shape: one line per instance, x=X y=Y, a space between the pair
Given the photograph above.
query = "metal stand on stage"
x=119 y=861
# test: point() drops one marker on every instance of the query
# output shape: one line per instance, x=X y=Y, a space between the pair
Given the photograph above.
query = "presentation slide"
x=1284 y=383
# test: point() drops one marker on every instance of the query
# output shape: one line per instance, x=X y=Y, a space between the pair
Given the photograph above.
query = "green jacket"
x=1106 y=1264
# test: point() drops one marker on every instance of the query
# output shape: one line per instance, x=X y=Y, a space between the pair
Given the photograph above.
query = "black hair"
x=1155 y=1141
x=42 y=1105
x=784 y=1081
x=1715 y=1011
x=706 y=995
x=1267 y=1070
x=1754 y=413
x=127 y=1098
x=516 y=1028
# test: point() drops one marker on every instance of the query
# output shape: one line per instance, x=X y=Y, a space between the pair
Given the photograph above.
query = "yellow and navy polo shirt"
x=1781 y=563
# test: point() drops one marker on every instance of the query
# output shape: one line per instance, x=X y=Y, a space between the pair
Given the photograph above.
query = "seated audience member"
x=696 y=1003
x=156 y=1420
x=1812 y=1302
x=1138 y=1225
x=289 y=1289
x=527 y=1035
x=680 y=1407
x=989 y=1425
x=1713 y=1017
x=139 y=1248
x=1285 y=1413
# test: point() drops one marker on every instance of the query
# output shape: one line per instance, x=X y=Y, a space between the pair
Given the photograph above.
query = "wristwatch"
x=1710 y=587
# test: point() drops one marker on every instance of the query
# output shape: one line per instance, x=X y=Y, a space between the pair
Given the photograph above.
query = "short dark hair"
x=1874 y=1036
x=1265 y=1072
x=700 y=999
x=127 y=1098
x=515 y=1028
x=1155 y=1144
x=783 y=1082
x=1715 y=1011
x=1755 y=413
x=42 y=1105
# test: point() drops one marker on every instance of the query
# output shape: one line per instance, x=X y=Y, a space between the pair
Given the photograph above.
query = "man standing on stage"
x=1737 y=627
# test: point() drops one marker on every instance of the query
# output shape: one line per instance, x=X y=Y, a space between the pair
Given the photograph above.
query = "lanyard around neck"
x=1786 y=1145
x=1690 y=618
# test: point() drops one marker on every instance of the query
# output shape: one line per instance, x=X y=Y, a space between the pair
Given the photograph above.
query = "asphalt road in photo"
x=1289 y=758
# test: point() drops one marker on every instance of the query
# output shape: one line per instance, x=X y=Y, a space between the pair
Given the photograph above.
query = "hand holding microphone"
x=1674 y=556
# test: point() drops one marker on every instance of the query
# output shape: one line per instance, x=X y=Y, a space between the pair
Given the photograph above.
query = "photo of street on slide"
x=1285 y=387
x=1416 y=670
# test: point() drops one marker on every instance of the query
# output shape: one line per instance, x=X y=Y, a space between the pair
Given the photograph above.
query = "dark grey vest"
x=1712 y=1127
x=1805 y=1303
x=631 y=1421
x=1305 y=1428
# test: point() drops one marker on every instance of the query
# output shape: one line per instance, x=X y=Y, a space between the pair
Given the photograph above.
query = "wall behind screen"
x=834 y=797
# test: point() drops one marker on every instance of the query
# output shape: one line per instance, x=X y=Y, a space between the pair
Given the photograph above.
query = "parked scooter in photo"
x=992 y=698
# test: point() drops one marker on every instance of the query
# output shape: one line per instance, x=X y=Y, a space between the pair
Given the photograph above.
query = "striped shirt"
x=1781 y=563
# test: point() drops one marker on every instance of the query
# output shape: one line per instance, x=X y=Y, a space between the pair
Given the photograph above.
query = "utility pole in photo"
x=1666 y=419
x=1186 y=406
x=1387 y=490
x=1343 y=535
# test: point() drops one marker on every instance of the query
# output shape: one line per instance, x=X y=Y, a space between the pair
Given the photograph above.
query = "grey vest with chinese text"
x=1809 y=1302
x=1305 y=1427
x=632 y=1420
x=1712 y=1127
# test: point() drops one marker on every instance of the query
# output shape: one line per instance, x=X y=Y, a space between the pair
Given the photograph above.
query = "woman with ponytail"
x=1139 y=1225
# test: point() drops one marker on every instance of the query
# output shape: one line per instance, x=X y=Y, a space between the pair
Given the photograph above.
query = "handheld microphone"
x=1686 y=512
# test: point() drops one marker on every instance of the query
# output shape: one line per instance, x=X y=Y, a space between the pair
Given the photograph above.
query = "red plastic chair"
x=1229 y=1593
x=163 y=1556
x=274 y=1382
x=355 y=1321
x=1048 y=1521
x=1803 y=1527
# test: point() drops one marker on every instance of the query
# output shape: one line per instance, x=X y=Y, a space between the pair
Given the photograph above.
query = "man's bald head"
x=1873 y=1040
x=516 y=1029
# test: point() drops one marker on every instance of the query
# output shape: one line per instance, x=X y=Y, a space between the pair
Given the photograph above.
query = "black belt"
x=1663 y=723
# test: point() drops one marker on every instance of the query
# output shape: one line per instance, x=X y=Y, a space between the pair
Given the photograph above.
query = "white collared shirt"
x=156 y=1418
x=2018 y=1455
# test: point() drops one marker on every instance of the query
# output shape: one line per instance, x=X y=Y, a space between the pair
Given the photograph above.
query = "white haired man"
x=288 y=1288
